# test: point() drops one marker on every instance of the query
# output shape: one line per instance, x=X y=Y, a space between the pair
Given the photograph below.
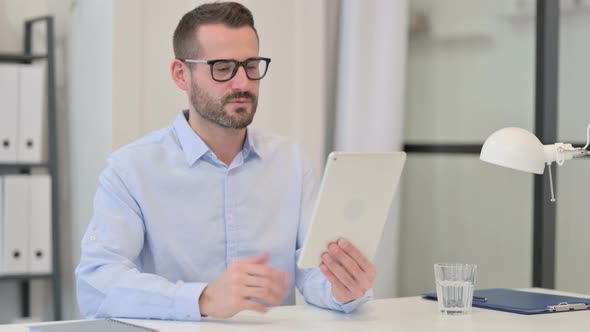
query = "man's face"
x=230 y=104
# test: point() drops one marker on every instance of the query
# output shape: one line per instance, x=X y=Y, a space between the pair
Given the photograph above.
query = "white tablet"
x=353 y=203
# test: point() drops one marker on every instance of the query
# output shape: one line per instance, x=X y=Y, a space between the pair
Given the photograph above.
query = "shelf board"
x=23 y=277
x=7 y=57
x=19 y=166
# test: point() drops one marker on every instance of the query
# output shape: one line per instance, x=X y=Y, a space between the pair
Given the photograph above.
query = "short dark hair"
x=231 y=14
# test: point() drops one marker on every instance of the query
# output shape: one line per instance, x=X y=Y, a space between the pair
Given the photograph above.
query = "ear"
x=180 y=74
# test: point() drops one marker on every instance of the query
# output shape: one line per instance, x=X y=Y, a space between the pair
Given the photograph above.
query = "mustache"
x=241 y=94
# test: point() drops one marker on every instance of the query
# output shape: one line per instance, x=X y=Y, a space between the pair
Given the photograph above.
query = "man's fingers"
x=256 y=281
x=266 y=271
x=274 y=297
x=338 y=271
x=264 y=288
x=246 y=304
x=361 y=260
x=252 y=281
x=257 y=266
x=331 y=277
x=337 y=286
x=350 y=265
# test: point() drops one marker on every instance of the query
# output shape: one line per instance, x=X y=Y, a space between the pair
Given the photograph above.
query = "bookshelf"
x=28 y=57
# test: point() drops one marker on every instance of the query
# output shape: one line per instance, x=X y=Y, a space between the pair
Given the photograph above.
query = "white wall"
x=292 y=95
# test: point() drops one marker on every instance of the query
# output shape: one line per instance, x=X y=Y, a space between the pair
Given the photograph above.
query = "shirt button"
x=230 y=216
x=92 y=238
x=188 y=317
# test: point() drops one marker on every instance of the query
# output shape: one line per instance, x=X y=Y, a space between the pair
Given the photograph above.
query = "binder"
x=40 y=251
x=1 y=223
x=525 y=303
x=15 y=232
x=94 y=325
x=9 y=105
x=32 y=117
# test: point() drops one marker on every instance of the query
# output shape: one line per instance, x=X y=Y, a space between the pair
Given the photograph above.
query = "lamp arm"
x=580 y=152
x=587 y=137
x=551 y=183
x=560 y=152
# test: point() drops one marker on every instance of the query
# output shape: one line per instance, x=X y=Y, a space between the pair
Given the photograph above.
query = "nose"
x=240 y=81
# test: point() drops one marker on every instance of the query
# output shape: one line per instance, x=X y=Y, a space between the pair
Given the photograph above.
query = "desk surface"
x=399 y=314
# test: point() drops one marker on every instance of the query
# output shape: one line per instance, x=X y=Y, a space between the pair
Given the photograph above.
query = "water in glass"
x=455 y=297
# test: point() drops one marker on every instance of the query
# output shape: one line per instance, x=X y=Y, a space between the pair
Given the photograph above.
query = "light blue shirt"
x=169 y=218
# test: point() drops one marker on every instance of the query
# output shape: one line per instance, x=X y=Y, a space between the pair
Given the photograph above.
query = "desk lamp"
x=521 y=150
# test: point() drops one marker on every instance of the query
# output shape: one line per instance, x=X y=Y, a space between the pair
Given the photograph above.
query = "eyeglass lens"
x=224 y=70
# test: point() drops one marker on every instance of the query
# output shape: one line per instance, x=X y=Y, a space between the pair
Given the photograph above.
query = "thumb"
x=260 y=259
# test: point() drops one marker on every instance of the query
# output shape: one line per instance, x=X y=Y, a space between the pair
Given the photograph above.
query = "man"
x=207 y=217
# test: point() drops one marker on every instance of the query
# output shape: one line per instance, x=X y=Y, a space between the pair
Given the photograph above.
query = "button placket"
x=229 y=218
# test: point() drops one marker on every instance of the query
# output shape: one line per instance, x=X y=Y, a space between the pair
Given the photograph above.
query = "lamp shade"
x=514 y=148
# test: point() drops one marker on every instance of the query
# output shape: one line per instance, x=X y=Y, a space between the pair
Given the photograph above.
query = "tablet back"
x=353 y=203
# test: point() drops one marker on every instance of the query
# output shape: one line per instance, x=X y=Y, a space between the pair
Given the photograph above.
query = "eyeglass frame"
x=237 y=64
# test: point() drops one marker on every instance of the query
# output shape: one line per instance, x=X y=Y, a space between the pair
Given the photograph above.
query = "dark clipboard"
x=91 y=325
x=525 y=303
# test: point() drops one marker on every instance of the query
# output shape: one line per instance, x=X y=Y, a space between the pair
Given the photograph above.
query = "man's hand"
x=242 y=282
x=350 y=273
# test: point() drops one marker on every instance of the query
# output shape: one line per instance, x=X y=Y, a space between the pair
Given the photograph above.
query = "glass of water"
x=454 y=287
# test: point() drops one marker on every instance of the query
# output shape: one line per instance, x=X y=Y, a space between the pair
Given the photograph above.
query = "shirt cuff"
x=186 y=301
x=352 y=305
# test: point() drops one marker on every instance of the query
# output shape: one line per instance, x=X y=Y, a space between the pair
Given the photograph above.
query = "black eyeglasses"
x=223 y=70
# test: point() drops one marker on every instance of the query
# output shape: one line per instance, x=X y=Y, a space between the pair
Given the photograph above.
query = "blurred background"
x=413 y=75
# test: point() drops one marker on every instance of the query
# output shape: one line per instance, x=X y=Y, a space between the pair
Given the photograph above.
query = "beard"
x=213 y=110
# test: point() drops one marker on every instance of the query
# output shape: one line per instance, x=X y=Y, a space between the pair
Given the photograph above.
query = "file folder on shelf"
x=525 y=303
x=40 y=258
x=32 y=117
x=1 y=224
x=15 y=222
x=9 y=107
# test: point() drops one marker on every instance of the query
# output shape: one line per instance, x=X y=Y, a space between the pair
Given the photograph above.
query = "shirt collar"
x=192 y=145
x=250 y=145
x=195 y=148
